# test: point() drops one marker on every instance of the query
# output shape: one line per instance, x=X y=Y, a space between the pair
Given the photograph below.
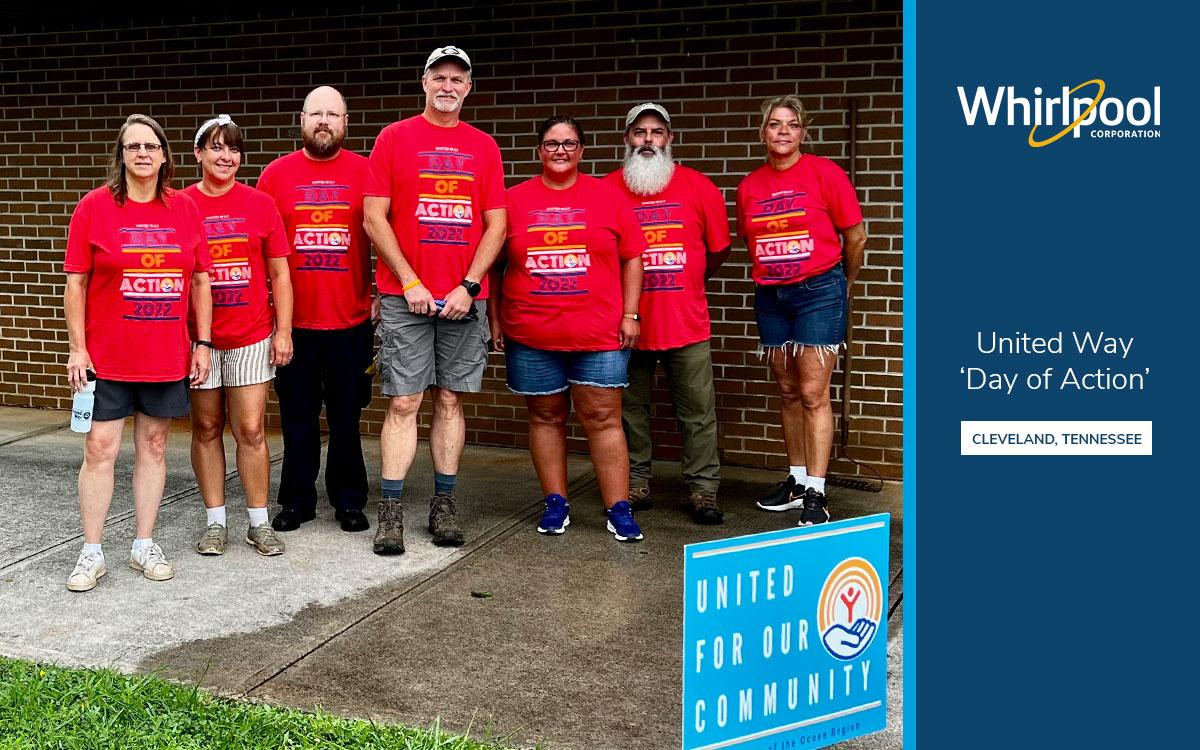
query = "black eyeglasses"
x=151 y=148
x=568 y=146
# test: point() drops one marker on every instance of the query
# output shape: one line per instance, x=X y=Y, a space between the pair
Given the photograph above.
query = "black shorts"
x=117 y=399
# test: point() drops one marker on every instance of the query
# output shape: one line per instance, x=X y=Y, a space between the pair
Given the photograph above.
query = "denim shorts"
x=808 y=313
x=539 y=372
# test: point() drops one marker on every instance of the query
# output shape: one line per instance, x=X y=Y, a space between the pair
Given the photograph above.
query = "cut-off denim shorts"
x=808 y=313
x=540 y=372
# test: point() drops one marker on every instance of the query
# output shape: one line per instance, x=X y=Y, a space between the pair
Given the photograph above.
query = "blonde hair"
x=789 y=101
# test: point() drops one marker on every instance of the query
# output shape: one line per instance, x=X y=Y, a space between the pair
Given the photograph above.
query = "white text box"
x=1056 y=438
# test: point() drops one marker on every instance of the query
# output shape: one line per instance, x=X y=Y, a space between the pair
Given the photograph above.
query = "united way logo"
x=850 y=608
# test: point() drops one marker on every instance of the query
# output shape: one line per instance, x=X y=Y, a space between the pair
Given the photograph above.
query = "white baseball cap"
x=647 y=107
x=441 y=53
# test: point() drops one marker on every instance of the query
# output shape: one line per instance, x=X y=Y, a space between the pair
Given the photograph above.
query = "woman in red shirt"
x=252 y=336
x=800 y=219
x=135 y=258
x=565 y=316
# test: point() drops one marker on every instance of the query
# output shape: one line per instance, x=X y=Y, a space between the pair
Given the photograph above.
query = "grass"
x=49 y=707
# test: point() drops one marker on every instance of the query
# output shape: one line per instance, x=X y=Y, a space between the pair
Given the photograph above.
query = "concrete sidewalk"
x=570 y=642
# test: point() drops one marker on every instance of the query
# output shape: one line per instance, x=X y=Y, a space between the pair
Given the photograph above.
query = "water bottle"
x=81 y=406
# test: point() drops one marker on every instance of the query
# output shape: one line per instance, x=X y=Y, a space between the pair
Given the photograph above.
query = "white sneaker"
x=88 y=571
x=151 y=561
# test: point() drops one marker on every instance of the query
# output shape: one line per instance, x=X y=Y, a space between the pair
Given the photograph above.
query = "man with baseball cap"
x=435 y=212
x=686 y=225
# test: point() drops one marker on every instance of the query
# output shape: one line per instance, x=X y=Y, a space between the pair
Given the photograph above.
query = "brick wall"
x=68 y=84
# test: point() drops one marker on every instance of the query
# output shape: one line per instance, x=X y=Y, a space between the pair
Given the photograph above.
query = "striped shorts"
x=246 y=365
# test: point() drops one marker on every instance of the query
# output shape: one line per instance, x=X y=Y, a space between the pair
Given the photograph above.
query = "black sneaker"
x=785 y=496
x=816 y=508
x=443 y=521
x=290 y=518
x=352 y=520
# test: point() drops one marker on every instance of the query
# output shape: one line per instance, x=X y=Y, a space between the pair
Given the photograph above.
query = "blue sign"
x=785 y=637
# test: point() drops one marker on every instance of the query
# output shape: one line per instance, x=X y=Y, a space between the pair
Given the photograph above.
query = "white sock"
x=141 y=544
x=258 y=516
x=817 y=483
x=216 y=515
x=92 y=549
x=801 y=475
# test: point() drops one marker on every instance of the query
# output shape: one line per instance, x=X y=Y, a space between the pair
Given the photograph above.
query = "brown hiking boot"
x=443 y=521
x=389 y=531
x=639 y=497
x=702 y=506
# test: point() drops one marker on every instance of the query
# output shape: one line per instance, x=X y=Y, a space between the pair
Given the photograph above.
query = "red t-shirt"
x=790 y=218
x=321 y=206
x=440 y=181
x=141 y=257
x=681 y=224
x=562 y=282
x=243 y=230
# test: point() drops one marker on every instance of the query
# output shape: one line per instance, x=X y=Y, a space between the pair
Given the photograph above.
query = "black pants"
x=329 y=367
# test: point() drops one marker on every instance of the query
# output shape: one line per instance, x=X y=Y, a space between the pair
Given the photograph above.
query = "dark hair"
x=116 y=166
x=230 y=135
x=550 y=122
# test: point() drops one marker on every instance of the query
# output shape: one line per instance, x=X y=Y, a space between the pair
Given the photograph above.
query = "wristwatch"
x=473 y=288
x=634 y=317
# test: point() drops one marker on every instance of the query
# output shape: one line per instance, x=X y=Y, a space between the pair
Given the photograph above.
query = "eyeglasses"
x=568 y=146
x=220 y=149
x=151 y=148
x=333 y=116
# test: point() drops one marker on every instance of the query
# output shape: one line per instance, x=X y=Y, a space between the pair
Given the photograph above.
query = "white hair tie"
x=208 y=124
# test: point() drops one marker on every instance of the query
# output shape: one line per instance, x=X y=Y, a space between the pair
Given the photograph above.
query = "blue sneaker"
x=556 y=519
x=621 y=523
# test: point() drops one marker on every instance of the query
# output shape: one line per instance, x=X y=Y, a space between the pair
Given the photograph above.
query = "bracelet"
x=209 y=344
x=412 y=285
x=633 y=316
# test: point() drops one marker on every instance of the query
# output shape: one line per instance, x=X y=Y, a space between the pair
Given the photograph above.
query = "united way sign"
x=785 y=637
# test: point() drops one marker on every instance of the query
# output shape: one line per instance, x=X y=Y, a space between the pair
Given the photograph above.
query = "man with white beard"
x=435 y=211
x=686 y=224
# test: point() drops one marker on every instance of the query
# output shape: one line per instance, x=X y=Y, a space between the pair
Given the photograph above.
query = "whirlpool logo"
x=1076 y=110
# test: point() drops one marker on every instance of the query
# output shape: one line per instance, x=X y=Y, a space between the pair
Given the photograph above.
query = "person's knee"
x=250 y=434
x=601 y=415
x=207 y=428
x=446 y=404
x=404 y=407
x=547 y=415
x=152 y=446
x=101 y=450
x=814 y=396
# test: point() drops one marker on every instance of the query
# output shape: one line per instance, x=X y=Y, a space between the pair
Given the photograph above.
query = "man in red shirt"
x=319 y=192
x=435 y=210
x=686 y=225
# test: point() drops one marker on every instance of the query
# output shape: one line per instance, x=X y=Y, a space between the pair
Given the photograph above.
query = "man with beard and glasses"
x=319 y=192
x=435 y=210
x=686 y=225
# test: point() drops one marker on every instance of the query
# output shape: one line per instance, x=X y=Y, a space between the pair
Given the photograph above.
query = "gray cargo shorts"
x=418 y=351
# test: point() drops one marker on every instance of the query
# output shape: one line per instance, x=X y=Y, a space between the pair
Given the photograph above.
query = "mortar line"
x=418 y=587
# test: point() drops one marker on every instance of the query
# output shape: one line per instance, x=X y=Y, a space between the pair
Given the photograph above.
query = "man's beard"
x=648 y=175
x=325 y=148
x=447 y=107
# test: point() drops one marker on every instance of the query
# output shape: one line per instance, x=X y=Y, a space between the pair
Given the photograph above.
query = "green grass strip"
x=43 y=706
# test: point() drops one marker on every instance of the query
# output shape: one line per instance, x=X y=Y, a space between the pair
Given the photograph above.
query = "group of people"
x=584 y=284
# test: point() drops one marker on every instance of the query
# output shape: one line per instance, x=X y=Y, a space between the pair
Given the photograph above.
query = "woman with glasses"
x=566 y=318
x=135 y=258
x=800 y=219
x=251 y=336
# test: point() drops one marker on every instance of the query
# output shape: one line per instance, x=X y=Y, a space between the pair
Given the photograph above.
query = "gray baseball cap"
x=647 y=107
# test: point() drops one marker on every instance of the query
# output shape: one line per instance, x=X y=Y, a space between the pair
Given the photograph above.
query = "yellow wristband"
x=412 y=284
